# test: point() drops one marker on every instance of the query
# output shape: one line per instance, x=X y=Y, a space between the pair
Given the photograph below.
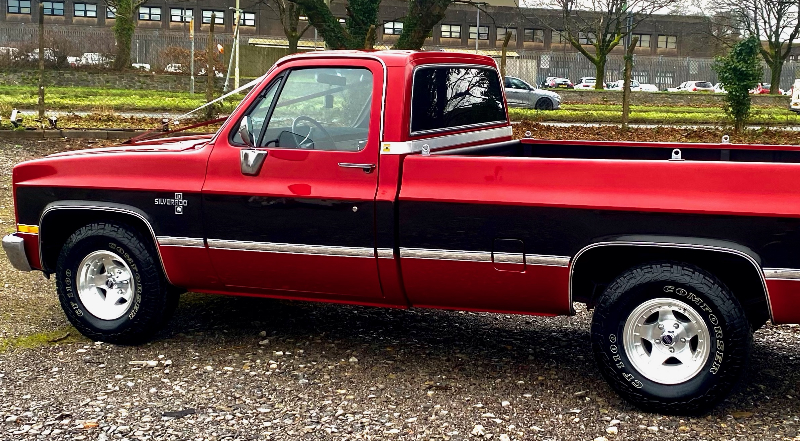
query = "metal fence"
x=159 y=49
x=664 y=72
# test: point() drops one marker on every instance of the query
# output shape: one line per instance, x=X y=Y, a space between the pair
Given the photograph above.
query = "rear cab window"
x=447 y=98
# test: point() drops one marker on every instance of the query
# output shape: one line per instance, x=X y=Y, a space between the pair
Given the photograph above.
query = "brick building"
x=535 y=29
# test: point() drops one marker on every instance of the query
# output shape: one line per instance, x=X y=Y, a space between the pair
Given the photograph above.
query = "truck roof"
x=400 y=57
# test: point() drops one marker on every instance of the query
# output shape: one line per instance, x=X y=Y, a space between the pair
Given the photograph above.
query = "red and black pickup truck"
x=392 y=179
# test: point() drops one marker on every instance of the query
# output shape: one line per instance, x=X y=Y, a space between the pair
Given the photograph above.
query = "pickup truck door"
x=304 y=222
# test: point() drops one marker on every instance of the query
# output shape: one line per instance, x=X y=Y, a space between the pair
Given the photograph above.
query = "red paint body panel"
x=189 y=267
x=32 y=249
x=784 y=296
x=478 y=286
x=653 y=186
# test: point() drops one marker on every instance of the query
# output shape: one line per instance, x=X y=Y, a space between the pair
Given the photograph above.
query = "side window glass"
x=322 y=109
x=259 y=113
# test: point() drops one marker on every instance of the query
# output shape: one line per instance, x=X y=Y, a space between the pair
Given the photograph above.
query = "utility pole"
x=477 y=28
x=236 y=31
x=41 y=63
x=191 y=55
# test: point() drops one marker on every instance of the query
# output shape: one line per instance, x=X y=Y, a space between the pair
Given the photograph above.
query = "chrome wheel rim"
x=666 y=340
x=105 y=285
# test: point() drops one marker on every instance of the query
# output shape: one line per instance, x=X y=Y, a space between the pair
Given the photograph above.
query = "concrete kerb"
x=74 y=134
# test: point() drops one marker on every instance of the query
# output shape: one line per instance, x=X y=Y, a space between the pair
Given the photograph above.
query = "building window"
x=111 y=12
x=559 y=37
x=247 y=19
x=534 y=35
x=481 y=33
x=644 y=40
x=667 y=41
x=149 y=13
x=19 y=6
x=451 y=31
x=219 y=17
x=180 y=15
x=586 y=38
x=392 y=28
x=85 y=10
x=501 y=33
x=53 y=8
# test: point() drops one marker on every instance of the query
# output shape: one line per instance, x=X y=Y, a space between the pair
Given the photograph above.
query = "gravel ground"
x=229 y=368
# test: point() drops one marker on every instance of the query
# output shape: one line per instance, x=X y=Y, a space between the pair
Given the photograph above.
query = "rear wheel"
x=670 y=338
x=111 y=286
x=544 y=104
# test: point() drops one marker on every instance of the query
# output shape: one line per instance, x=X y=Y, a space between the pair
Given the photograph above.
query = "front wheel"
x=111 y=286
x=670 y=338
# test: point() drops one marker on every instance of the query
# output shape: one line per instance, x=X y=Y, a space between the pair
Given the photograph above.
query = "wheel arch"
x=739 y=268
x=62 y=218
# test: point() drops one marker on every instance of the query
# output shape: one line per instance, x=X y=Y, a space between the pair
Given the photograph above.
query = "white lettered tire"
x=111 y=286
x=670 y=338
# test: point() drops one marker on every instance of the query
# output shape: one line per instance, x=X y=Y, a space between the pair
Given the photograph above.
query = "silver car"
x=521 y=94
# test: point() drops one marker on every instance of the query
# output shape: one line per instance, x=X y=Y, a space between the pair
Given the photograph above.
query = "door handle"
x=366 y=167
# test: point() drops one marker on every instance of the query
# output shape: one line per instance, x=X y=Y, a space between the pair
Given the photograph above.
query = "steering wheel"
x=312 y=121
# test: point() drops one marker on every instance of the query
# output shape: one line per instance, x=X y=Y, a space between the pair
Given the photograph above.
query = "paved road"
x=231 y=368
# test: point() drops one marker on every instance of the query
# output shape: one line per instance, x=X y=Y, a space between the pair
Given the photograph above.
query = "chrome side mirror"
x=251 y=161
x=246 y=131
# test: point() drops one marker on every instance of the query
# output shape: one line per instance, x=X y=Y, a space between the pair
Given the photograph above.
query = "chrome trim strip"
x=440 y=142
x=735 y=252
x=782 y=273
x=190 y=242
x=458 y=255
x=63 y=205
x=484 y=256
x=286 y=248
x=385 y=253
x=517 y=258
x=541 y=260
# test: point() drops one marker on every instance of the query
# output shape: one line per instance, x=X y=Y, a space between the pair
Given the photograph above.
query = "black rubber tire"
x=153 y=302
x=730 y=340
x=544 y=104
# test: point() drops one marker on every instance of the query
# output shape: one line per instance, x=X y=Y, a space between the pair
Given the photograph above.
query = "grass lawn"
x=103 y=100
x=654 y=115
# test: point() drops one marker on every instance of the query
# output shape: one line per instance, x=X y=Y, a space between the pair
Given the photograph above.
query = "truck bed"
x=528 y=148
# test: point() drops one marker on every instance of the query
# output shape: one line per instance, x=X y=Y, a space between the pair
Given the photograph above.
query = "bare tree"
x=774 y=21
x=421 y=17
x=124 y=26
x=289 y=14
x=596 y=27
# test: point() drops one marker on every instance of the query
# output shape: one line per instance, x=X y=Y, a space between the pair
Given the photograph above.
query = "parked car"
x=764 y=89
x=49 y=55
x=94 y=59
x=648 y=88
x=521 y=94
x=719 y=88
x=619 y=84
x=141 y=66
x=794 y=103
x=9 y=52
x=174 y=68
x=558 y=83
x=429 y=202
x=586 y=83
x=693 y=86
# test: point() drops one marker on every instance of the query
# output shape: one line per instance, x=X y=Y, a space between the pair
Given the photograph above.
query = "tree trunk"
x=422 y=16
x=293 y=41
x=320 y=16
x=210 y=48
x=503 y=55
x=600 y=73
x=124 y=25
x=775 y=75
x=626 y=89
